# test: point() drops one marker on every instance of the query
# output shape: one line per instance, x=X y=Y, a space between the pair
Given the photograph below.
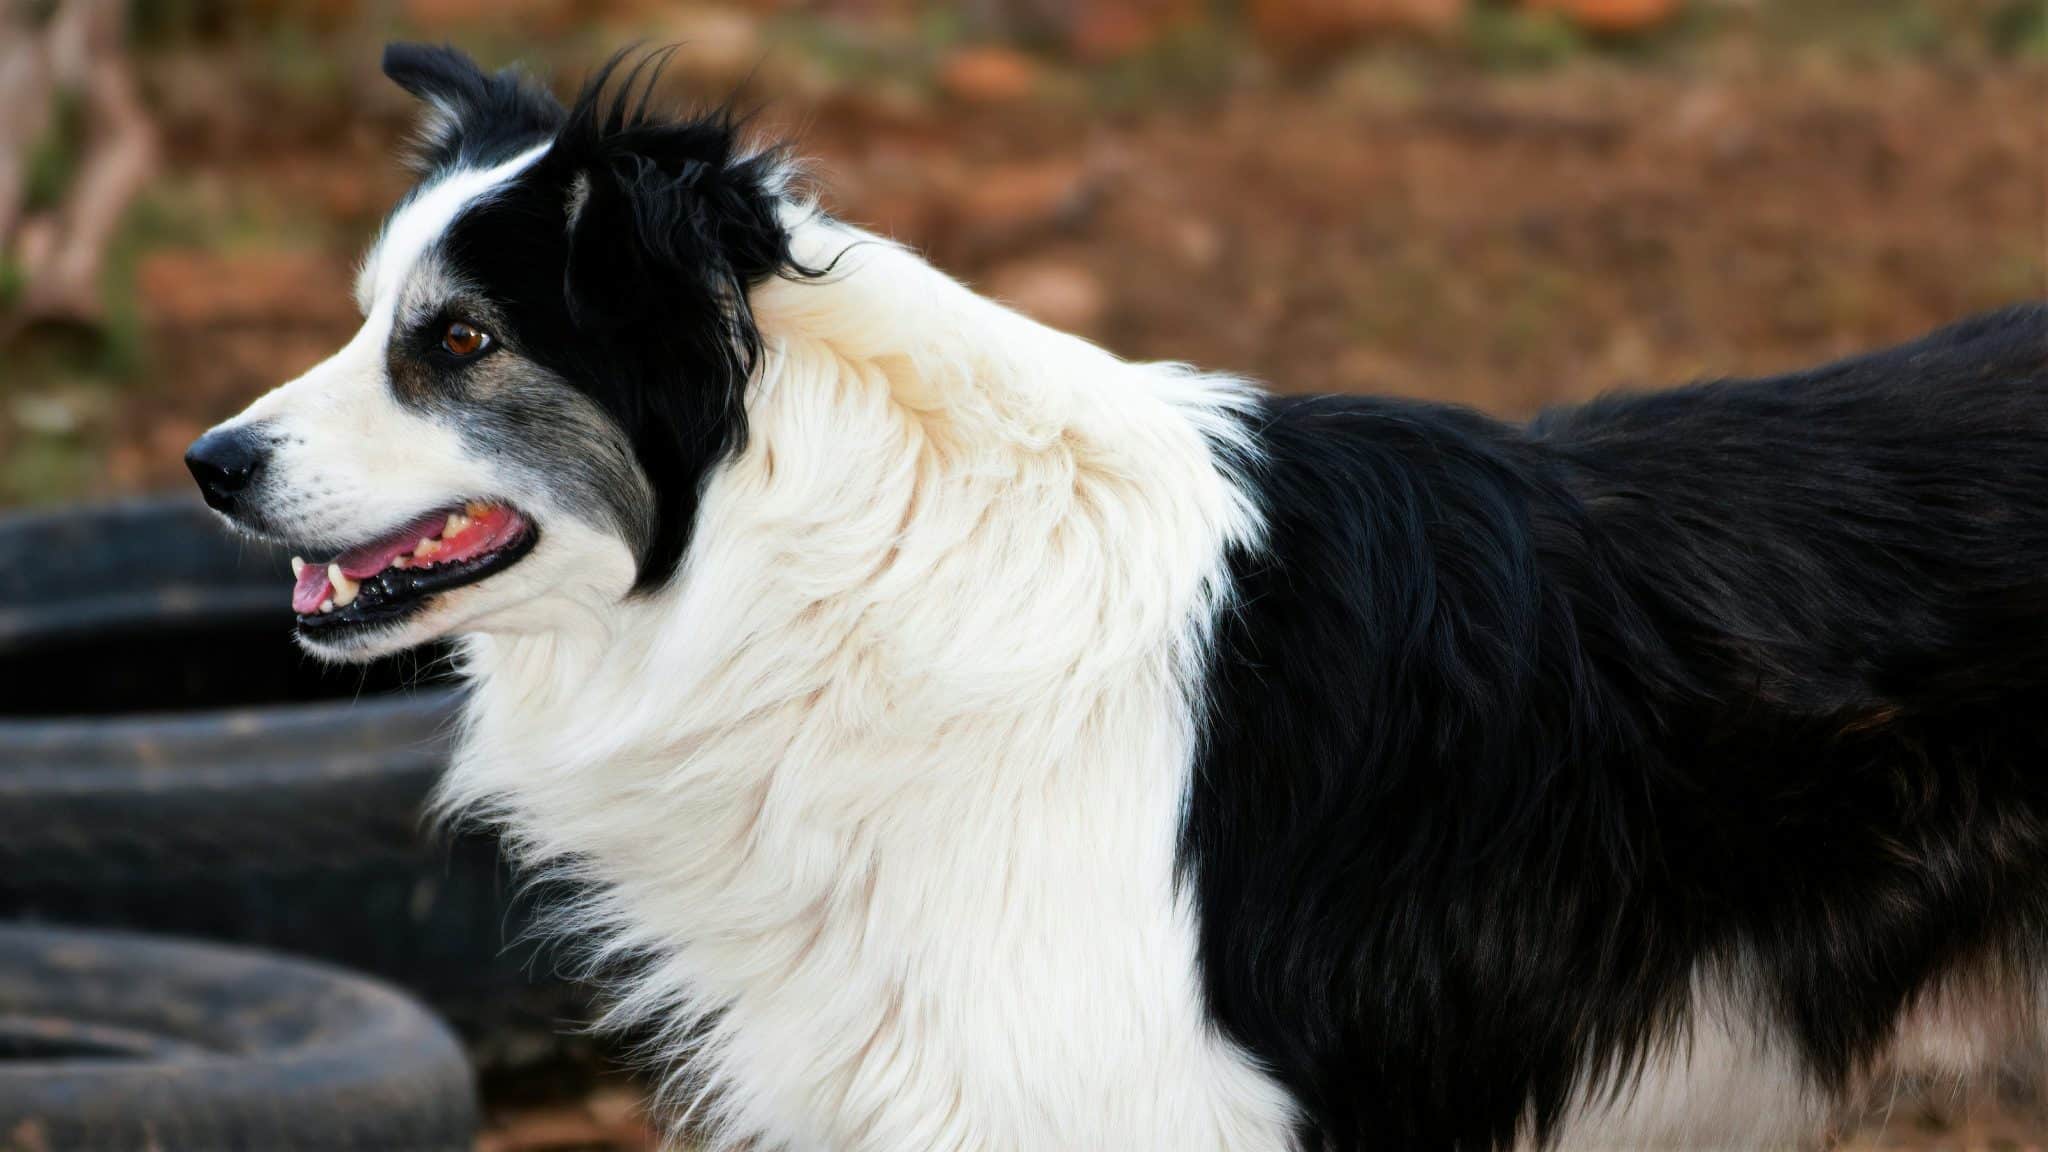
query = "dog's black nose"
x=226 y=463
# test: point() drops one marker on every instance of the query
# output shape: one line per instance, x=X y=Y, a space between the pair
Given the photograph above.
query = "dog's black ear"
x=670 y=224
x=439 y=74
x=663 y=213
x=470 y=113
x=671 y=217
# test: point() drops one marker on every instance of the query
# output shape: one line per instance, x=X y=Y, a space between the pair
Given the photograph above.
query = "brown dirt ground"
x=1506 y=243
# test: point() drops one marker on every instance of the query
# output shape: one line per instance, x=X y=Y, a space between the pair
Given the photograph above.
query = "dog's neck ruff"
x=881 y=795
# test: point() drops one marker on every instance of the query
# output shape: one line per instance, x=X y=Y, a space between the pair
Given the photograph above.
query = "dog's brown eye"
x=464 y=340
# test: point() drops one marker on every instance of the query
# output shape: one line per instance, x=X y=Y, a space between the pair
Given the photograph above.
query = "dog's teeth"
x=345 y=589
x=298 y=566
x=327 y=605
x=402 y=562
x=456 y=523
x=426 y=548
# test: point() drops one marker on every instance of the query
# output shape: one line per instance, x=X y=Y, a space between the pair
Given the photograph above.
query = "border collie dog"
x=970 y=740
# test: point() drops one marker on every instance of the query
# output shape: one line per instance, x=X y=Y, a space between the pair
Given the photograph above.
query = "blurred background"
x=1500 y=203
x=1503 y=203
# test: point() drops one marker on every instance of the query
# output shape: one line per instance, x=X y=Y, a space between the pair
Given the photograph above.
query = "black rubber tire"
x=169 y=762
x=113 y=1041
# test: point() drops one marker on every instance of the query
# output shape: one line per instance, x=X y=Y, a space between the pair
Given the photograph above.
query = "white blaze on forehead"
x=422 y=221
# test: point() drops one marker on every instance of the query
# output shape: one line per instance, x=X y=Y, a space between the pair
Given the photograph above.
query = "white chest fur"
x=883 y=793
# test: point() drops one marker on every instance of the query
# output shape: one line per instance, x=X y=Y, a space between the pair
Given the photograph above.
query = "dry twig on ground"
x=77 y=46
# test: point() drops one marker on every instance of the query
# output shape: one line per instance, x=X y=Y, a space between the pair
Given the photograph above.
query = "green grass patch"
x=54 y=158
x=847 y=55
x=1191 y=61
x=292 y=62
x=1506 y=39
x=1874 y=31
x=12 y=282
x=47 y=469
x=2019 y=28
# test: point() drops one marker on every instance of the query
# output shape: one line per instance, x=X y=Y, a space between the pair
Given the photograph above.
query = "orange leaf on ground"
x=1613 y=17
x=988 y=75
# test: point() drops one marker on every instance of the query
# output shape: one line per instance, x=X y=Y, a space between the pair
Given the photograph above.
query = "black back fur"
x=1512 y=730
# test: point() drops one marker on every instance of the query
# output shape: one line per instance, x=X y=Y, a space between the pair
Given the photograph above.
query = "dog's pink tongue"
x=310 y=589
x=371 y=559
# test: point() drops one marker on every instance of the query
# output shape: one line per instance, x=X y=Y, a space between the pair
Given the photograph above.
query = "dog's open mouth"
x=395 y=575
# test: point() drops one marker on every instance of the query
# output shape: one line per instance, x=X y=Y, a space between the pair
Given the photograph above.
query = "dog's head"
x=554 y=353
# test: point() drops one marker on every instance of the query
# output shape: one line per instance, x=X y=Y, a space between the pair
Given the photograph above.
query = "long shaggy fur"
x=970 y=740
x=1744 y=678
